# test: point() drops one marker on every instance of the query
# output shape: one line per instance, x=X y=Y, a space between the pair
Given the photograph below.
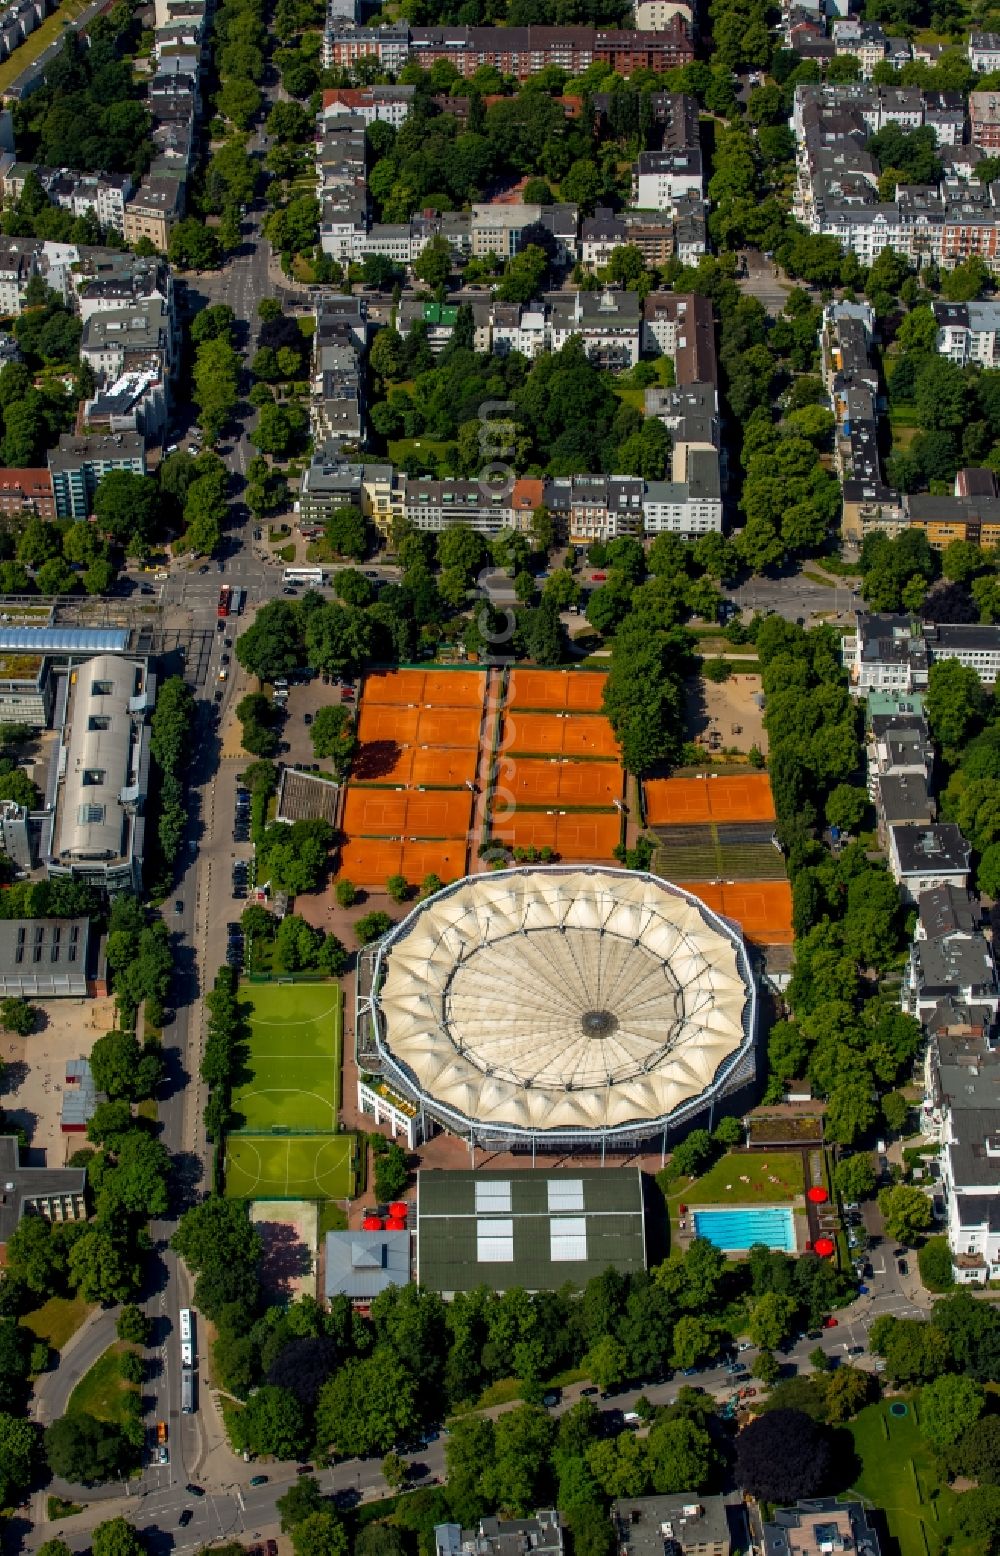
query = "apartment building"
x=984 y=52
x=116 y=341
x=26 y=492
x=661 y=180
x=962 y=1109
x=77 y=464
x=153 y=210
x=969 y=332
x=924 y=857
x=984 y=120
x=372 y=104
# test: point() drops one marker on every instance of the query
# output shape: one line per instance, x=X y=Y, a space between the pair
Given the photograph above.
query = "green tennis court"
x=295 y=1051
x=290 y=1166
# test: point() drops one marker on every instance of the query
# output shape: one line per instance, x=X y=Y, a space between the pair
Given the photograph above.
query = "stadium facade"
x=555 y=1008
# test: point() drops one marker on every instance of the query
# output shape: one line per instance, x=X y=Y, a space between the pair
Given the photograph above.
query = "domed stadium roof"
x=560 y=1000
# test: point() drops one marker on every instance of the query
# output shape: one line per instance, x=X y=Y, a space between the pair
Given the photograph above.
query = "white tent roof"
x=549 y=1000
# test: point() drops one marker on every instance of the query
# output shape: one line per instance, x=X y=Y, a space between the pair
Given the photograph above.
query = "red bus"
x=225 y=594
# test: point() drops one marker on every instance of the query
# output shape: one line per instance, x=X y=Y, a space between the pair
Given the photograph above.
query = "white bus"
x=187 y=1337
x=304 y=575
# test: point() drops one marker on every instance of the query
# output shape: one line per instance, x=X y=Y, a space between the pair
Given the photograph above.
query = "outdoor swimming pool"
x=734 y=1230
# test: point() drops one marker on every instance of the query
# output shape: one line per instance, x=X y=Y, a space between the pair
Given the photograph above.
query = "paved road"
x=796 y=596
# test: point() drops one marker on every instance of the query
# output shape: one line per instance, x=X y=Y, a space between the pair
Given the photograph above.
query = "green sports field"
x=290 y=1166
x=295 y=1050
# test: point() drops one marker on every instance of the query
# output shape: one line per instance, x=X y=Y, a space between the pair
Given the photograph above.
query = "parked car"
x=902 y=1267
x=258 y=1480
x=830 y=1323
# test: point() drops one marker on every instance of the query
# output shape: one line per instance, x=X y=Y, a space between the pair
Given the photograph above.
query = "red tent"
x=372 y=1224
x=818 y=1195
x=825 y=1247
x=400 y=1209
x=395 y=1224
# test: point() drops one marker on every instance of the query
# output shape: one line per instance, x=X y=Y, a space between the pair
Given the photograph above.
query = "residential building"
x=921 y=858
x=662 y=179
x=819 y=1527
x=27 y=491
x=542 y=1535
x=960 y=1109
x=77 y=464
x=689 y=1523
x=152 y=211
x=96 y=829
x=652 y=15
x=129 y=340
x=969 y=332
x=902 y=799
x=886 y=653
x=540 y=1229
x=106 y=194
x=360 y=1265
x=19 y=261
x=345 y=43
x=681 y=325
x=984 y=120
x=984 y=52
x=523 y=51
x=956 y=970
x=373 y=104
x=438 y=505
x=57 y=1193
x=689 y=507
x=135 y=402
x=977 y=647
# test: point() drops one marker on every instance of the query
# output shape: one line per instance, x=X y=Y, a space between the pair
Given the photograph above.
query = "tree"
x=34 y=1255
x=116 y=1537
x=906 y=1211
x=114 y=1062
x=217 y=1240
x=854 y=1177
x=845 y=806
x=783 y=1456
x=695 y=1338
x=979 y=1451
x=84 y=1450
x=896 y=1111
x=398 y=888
x=17 y=1015
x=955 y=703
x=372 y=926
x=18 y=1449
x=680 y=1456
x=132 y=1325
x=395 y=1471
x=368 y=1405
x=694 y=1154
x=936 y=1269
x=949 y=1406
x=101 y=1266
x=914 y=1352
x=345 y=892
x=771 y=1320
x=320 y=1534
x=333 y=736
x=127 y=506
x=606 y=1362
x=302 y=1498
x=271 y=1422
x=846 y=1390
x=391 y=1172
x=522 y=1438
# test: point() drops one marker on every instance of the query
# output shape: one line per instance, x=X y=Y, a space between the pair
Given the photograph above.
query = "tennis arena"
x=561 y=1007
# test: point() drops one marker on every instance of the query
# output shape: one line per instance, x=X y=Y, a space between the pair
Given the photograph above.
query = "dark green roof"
x=539 y=1228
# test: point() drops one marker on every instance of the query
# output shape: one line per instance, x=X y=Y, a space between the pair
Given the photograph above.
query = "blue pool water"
x=733 y=1230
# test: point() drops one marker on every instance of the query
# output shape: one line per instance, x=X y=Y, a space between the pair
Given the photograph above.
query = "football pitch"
x=290 y=1166
x=295 y=1044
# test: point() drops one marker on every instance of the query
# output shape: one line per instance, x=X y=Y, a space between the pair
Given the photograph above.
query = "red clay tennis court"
x=683 y=801
x=441 y=688
x=572 y=836
x=407 y=813
x=419 y=726
x=582 y=690
x=559 y=734
x=416 y=766
x=369 y=862
x=533 y=781
x=763 y=909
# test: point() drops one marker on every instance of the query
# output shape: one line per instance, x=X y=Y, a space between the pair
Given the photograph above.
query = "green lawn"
x=295 y=1053
x=634 y=397
x=57 y=1319
x=430 y=449
x=900 y=1476
x=101 y=1391
x=290 y=1167
x=721 y=1184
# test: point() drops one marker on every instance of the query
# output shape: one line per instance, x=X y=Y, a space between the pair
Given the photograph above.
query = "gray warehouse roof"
x=361 y=1264
x=540 y=1229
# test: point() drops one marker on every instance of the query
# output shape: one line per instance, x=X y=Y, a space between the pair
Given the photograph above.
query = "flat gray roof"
x=538 y=1228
